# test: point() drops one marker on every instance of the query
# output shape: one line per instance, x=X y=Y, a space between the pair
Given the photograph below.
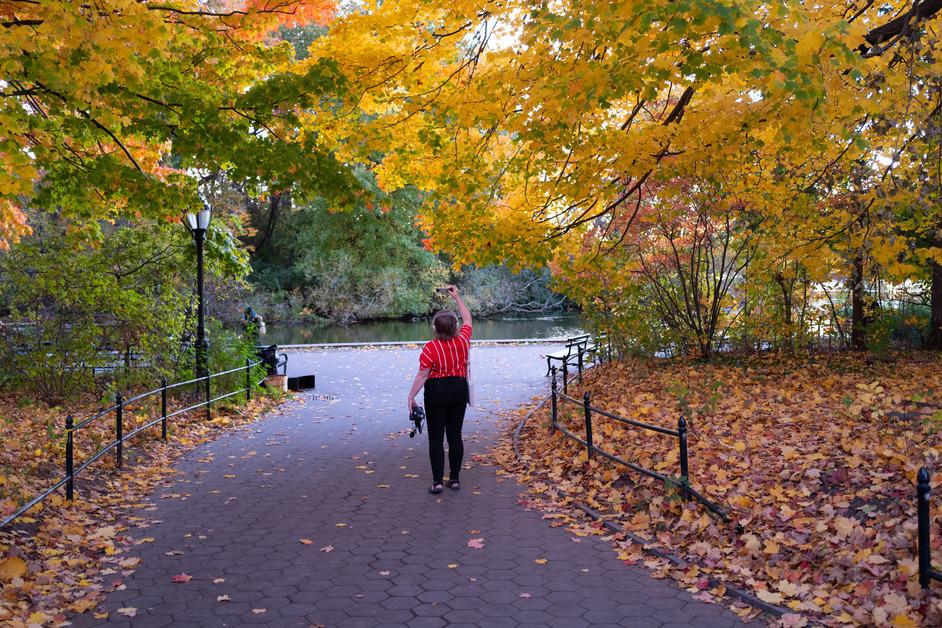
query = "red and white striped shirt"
x=448 y=358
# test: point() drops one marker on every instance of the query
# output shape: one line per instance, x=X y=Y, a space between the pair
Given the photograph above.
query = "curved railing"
x=680 y=434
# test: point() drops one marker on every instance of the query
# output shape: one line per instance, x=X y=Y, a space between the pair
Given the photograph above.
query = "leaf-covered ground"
x=62 y=558
x=814 y=458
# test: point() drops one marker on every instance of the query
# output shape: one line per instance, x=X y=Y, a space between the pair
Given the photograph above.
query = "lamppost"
x=198 y=223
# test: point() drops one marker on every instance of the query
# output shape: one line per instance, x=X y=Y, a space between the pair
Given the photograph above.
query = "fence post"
x=580 y=361
x=554 y=417
x=163 y=408
x=209 y=411
x=119 y=429
x=565 y=378
x=70 y=483
x=922 y=507
x=248 y=380
x=682 y=438
x=588 y=424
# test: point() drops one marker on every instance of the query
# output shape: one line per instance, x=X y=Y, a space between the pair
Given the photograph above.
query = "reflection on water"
x=398 y=331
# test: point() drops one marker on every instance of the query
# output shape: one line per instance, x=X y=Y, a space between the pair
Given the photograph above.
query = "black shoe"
x=435 y=489
x=453 y=485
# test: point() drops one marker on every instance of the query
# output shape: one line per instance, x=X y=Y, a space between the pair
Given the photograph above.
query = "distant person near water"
x=253 y=325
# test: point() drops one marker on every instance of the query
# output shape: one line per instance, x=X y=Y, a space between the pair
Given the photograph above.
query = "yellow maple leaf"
x=85 y=604
x=12 y=567
x=904 y=621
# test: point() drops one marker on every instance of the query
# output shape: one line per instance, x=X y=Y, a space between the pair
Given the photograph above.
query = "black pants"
x=445 y=401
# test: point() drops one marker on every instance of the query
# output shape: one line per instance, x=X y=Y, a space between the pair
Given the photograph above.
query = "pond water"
x=403 y=331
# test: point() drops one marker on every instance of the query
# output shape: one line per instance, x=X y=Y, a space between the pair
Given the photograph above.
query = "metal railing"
x=680 y=434
x=120 y=405
x=923 y=490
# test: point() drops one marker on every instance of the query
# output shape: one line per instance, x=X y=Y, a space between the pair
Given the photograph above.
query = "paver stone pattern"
x=319 y=515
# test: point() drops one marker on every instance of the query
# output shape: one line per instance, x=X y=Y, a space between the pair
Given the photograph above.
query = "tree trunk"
x=934 y=341
x=706 y=348
x=263 y=241
x=858 y=327
x=920 y=11
x=786 y=288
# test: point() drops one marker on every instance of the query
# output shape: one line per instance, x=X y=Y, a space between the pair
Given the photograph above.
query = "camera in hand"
x=442 y=290
x=417 y=416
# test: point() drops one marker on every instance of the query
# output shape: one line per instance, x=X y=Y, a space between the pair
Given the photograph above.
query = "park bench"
x=574 y=353
x=273 y=361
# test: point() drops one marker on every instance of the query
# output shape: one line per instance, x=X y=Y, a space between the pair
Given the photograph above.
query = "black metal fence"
x=923 y=490
x=680 y=434
x=121 y=404
x=927 y=573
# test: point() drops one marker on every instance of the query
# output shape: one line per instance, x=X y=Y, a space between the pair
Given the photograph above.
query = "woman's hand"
x=417 y=385
x=463 y=311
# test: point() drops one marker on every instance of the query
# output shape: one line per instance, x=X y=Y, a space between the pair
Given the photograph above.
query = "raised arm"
x=462 y=308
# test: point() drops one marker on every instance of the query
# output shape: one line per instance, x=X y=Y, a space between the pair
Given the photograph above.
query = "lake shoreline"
x=509 y=328
x=414 y=343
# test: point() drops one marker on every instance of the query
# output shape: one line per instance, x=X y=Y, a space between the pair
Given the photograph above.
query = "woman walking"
x=443 y=371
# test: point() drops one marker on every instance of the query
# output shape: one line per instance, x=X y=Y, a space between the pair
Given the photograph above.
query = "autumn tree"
x=692 y=256
x=109 y=109
x=527 y=126
x=556 y=115
x=539 y=124
x=917 y=186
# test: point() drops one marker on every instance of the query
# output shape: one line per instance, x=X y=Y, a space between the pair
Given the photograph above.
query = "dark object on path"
x=416 y=416
x=302 y=382
x=270 y=358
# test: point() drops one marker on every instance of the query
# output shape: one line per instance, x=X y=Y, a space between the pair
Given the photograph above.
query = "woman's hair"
x=445 y=324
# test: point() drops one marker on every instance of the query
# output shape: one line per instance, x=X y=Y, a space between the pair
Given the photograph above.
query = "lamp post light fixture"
x=198 y=223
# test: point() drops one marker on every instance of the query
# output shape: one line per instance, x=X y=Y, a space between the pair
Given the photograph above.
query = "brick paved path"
x=342 y=474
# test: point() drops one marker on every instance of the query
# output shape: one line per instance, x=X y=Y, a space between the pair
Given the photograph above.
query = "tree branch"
x=881 y=38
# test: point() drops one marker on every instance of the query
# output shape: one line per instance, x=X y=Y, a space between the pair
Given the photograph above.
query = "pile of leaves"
x=61 y=558
x=814 y=458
